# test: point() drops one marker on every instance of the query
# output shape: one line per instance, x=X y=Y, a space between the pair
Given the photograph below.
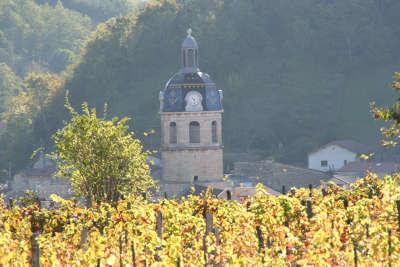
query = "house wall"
x=335 y=155
x=44 y=186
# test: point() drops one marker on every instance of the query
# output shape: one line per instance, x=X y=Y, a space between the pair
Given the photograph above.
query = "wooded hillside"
x=295 y=74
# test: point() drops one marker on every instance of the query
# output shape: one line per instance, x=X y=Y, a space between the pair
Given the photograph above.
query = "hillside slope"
x=294 y=75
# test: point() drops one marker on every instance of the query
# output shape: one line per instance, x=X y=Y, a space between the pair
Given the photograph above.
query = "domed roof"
x=174 y=93
x=181 y=78
x=189 y=41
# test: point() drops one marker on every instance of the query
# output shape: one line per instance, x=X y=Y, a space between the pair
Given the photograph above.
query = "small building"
x=40 y=179
x=42 y=182
x=335 y=155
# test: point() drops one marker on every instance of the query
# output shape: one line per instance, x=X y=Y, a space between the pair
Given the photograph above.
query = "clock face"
x=193 y=101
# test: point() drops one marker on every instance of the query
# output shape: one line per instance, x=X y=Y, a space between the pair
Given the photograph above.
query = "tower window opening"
x=214 y=135
x=194 y=132
x=184 y=58
x=172 y=133
x=190 y=56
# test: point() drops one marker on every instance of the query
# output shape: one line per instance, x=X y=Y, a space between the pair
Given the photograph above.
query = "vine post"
x=159 y=230
x=398 y=213
x=261 y=247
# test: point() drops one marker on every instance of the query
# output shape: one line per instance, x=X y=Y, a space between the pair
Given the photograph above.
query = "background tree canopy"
x=10 y=85
x=98 y=10
x=295 y=74
x=37 y=37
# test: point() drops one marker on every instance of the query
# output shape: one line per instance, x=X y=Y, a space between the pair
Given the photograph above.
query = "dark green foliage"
x=98 y=10
x=29 y=120
x=295 y=74
x=10 y=85
x=37 y=37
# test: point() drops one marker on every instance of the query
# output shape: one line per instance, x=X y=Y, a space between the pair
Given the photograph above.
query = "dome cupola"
x=190 y=82
x=190 y=54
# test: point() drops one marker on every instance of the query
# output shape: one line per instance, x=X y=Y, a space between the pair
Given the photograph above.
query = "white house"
x=335 y=155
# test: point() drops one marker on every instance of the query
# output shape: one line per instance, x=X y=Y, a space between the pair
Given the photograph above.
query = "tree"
x=101 y=158
x=98 y=10
x=391 y=133
x=10 y=85
x=40 y=37
x=26 y=123
x=295 y=75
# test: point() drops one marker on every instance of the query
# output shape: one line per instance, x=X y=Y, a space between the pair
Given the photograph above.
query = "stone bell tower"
x=191 y=125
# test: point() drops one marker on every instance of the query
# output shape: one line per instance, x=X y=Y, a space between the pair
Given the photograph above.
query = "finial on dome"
x=189 y=32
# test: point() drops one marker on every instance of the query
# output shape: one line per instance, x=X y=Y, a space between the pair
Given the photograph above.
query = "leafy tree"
x=27 y=123
x=102 y=159
x=391 y=133
x=10 y=85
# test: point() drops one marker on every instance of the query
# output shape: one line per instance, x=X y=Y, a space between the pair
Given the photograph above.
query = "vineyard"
x=318 y=227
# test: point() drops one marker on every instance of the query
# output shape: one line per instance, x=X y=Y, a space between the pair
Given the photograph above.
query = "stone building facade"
x=41 y=180
x=191 y=126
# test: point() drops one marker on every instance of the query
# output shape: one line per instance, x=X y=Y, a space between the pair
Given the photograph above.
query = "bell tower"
x=191 y=125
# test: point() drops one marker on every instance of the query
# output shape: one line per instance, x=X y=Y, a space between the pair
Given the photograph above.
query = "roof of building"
x=350 y=145
x=43 y=167
x=343 y=180
x=194 y=79
x=44 y=172
x=276 y=175
x=376 y=167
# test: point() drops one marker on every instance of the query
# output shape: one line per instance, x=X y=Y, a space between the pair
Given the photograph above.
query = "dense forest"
x=295 y=74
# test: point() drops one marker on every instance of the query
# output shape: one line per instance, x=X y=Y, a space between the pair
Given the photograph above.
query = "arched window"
x=172 y=133
x=214 y=135
x=194 y=132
